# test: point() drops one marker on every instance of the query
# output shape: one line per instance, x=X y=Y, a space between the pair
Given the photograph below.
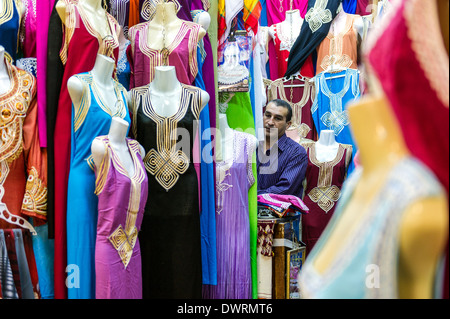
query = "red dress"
x=324 y=181
x=408 y=54
x=81 y=44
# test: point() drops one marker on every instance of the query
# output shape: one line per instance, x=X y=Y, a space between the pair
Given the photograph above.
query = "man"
x=281 y=162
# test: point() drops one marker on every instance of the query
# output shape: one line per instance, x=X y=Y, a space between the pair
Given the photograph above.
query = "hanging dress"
x=329 y=110
x=283 y=44
x=92 y=119
x=314 y=29
x=302 y=122
x=234 y=179
x=121 y=202
x=22 y=161
x=182 y=54
x=27 y=40
x=170 y=237
x=375 y=240
x=80 y=45
x=324 y=182
x=9 y=27
x=238 y=109
x=340 y=49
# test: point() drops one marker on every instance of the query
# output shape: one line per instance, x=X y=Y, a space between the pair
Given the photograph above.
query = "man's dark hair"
x=283 y=103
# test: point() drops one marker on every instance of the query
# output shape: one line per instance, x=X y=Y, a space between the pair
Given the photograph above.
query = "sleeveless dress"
x=324 y=182
x=93 y=119
x=9 y=28
x=80 y=45
x=329 y=110
x=375 y=240
x=182 y=54
x=234 y=177
x=121 y=203
x=170 y=237
x=340 y=49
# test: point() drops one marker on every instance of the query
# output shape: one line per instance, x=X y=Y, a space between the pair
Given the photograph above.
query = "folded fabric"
x=283 y=202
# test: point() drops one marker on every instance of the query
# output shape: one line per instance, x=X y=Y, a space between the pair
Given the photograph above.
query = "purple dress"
x=121 y=203
x=234 y=179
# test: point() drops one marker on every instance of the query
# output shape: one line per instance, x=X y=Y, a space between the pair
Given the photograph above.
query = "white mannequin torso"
x=226 y=139
x=102 y=76
x=164 y=27
x=290 y=26
x=326 y=147
x=117 y=139
x=95 y=14
x=339 y=22
x=5 y=81
x=165 y=92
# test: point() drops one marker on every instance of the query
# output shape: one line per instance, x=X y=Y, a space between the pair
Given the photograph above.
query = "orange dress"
x=23 y=174
x=340 y=49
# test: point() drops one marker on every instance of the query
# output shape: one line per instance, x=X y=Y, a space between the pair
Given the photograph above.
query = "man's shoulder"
x=294 y=147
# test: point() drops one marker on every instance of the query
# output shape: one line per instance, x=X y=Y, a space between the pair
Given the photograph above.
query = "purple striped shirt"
x=282 y=169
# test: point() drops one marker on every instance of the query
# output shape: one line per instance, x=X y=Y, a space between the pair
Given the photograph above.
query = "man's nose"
x=270 y=121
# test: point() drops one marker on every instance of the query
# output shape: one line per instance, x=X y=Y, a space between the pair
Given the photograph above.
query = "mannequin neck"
x=293 y=17
x=379 y=139
x=118 y=131
x=327 y=138
x=223 y=125
x=103 y=69
x=165 y=80
x=165 y=14
x=3 y=69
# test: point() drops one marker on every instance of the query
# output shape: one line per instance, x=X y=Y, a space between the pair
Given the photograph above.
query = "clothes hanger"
x=13 y=219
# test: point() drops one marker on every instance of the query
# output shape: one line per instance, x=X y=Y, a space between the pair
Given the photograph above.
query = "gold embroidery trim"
x=35 y=198
x=123 y=239
x=325 y=197
x=166 y=163
x=8 y=10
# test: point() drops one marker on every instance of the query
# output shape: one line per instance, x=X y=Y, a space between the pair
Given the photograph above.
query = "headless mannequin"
x=291 y=25
x=5 y=81
x=96 y=15
x=117 y=139
x=339 y=22
x=166 y=24
x=326 y=147
x=203 y=18
x=102 y=76
x=165 y=92
x=226 y=139
x=424 y=226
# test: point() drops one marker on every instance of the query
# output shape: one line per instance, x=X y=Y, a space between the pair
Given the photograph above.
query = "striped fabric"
x=252 y=12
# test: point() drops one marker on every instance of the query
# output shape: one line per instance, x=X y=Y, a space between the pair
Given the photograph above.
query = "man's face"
x=275 y=123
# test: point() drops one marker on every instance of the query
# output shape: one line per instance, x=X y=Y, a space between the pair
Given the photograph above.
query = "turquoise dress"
x=93 y=119
x=334 y=91
x=374 y=244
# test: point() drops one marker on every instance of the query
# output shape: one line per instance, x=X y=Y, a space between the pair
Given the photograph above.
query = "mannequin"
x=5 y=81
x=326 y=146
x=102 y=76
x=338 y=23
x=165 y=23
x=117 y=138
x=96 y=15
x=290 y=27
x=424 y=224
x=165 y=91
x=226 y=138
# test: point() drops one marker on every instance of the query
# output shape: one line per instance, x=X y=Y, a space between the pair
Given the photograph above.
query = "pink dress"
x=182 y=54
x=121 y=203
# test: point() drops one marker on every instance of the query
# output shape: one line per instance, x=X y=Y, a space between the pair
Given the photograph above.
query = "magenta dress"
x=182 y=54
x=121 y=203
x=234 y=179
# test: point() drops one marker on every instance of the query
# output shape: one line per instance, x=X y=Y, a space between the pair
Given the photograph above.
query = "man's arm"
x=291 y=178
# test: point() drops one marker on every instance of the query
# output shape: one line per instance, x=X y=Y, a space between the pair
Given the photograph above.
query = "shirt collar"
x=282 y=142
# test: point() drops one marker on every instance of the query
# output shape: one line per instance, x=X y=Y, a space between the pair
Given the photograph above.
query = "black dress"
x=314 y=29
x=170 y=233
